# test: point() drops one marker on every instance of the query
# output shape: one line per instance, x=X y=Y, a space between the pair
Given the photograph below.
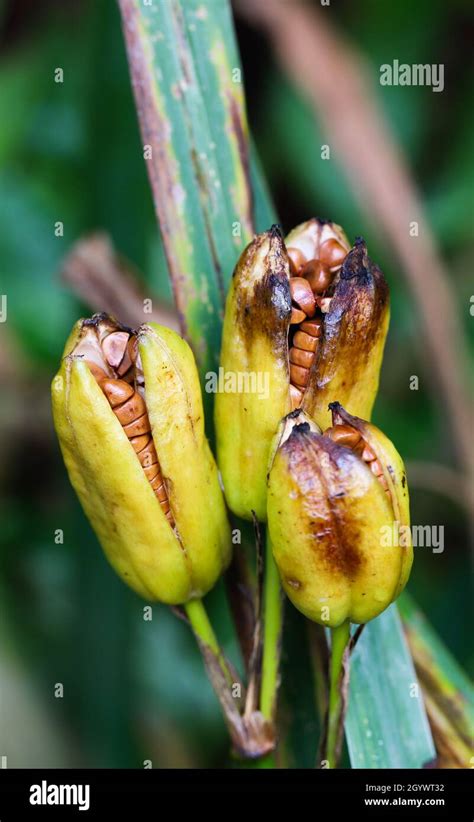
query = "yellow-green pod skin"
x=174 y=402
x=150 y=556
x=326 y=512
x=395 y=475
x=254 y=342
x=347 y=365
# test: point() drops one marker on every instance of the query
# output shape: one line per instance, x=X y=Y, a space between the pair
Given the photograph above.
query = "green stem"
x=339 y=639
x=204 y=632
x=272 y=624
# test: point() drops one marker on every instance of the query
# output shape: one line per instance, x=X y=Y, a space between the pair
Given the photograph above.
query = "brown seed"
x=152 y=471
x=299 y=357
x=157 y=482
x=297 y=260
x=305 y=341
x=139 y=443
x=148 y=454
x=117 y=391
x=297 y=316
x=97 y=372
x=332 y=254
x=367 y=454
x=318 y=276
x=128 y=359
x=161 y=493
x=302 y=295
x=296 y=396
x=131 y=409
x=344 y=435
x=114 y=347
x=313 y=327
x=299 y=375
x=138 y=426
x=376 y=468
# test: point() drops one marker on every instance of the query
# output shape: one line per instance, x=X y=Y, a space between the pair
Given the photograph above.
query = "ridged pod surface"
x=328 y=513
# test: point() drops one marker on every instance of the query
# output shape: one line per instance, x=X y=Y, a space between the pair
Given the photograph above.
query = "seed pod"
x=147 y=481
x=329 y=516
x=254 y=341
x=311 y=315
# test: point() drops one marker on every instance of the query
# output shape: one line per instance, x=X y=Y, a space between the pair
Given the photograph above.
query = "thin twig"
x=440 y=479
x=106 y=282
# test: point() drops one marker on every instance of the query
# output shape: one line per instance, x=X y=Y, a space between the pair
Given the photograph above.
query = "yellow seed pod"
x=141 y=466
x=309 y=316
x=330 y=506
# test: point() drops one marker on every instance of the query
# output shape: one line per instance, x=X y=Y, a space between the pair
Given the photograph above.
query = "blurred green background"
x=135 y=690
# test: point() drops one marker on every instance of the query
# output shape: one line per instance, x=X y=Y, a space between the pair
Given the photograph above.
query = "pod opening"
x=111 y=352
x=316 y=256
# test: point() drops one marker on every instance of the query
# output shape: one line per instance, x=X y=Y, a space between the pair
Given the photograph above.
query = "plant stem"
x=339 y=640
x=272 y=624
x=204 y=632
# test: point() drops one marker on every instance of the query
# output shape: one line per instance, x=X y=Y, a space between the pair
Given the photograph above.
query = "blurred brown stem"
x=105 y=282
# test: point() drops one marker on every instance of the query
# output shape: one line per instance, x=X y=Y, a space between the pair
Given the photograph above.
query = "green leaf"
x=189 y=94
x=448 y=691
x=386 y=723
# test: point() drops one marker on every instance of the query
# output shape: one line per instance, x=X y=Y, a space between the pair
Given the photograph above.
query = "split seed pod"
x=306 y=318
x=333 y=499
x=128 y=412
x=353 y=301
